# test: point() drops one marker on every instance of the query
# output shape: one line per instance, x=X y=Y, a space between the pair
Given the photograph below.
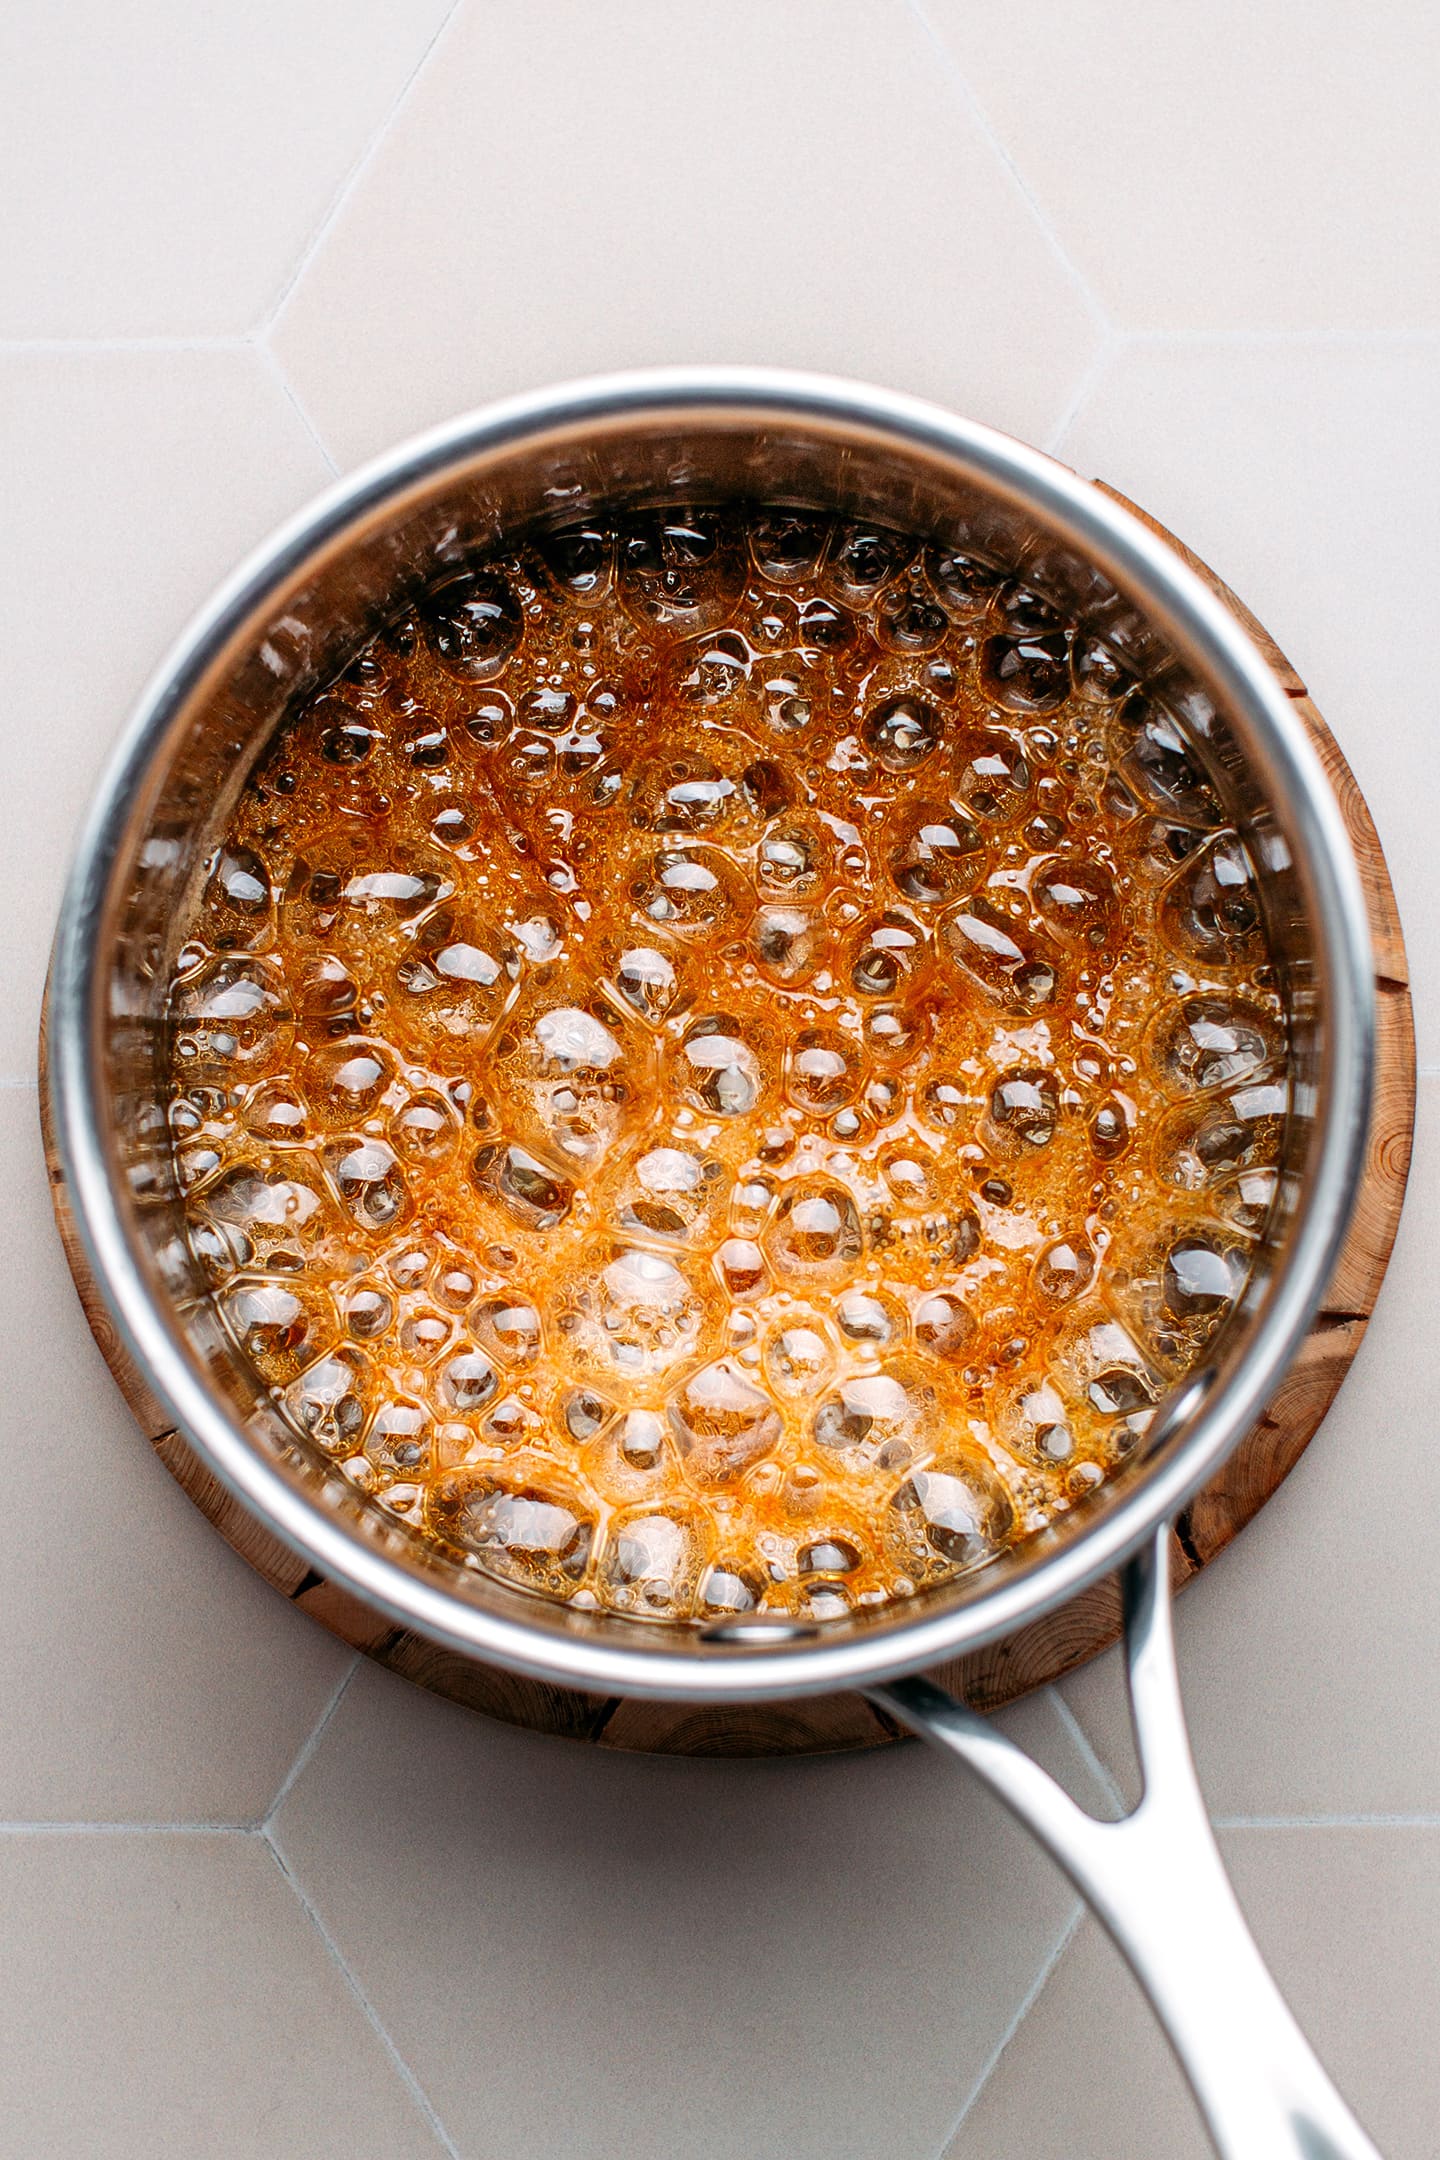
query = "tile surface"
x=1309 y=477
x=167 y=1996
x=1222 y=168
x=652 y=183
x=1088 y=2076
x=164 y=167
x=148 y=1674
x=1196 y=250
x=788 y=1949
x=133 y=483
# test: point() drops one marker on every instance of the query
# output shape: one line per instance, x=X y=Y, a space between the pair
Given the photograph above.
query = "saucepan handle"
x=1156 y=1880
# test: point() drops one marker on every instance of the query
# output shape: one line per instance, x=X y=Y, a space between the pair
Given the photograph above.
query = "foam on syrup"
x=726 y=1063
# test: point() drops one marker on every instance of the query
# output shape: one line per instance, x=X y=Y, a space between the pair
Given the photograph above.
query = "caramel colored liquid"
x=726 y=1065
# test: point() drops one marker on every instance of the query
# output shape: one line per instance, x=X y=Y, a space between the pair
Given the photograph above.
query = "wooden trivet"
x=1046 y=1648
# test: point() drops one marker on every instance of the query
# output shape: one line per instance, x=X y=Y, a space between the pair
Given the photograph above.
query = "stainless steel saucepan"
x=288 y=620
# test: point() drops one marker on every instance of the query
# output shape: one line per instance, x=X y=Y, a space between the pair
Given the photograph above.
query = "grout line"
x=352 y=178
x=130 y=1830
x=270 y=361
x=310 y=1744
x=1090 y=380
x=24 y=1080
x=1242 y=339
x=951 y=66
x=1027 y=2003
x=1084 y=1746
x=1327 y=1822
x=233 y=343
x=407 y=2076
x=1115 y=341
x=1379 y=335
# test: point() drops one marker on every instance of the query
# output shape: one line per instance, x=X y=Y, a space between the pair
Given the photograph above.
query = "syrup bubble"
x=723 y=1422
x=950 y=1517
x=537 y=1533
x=815 y=1234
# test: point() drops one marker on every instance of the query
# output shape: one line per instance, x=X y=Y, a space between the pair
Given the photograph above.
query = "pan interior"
x=289 y=627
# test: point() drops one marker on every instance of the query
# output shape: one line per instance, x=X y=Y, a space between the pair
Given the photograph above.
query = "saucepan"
x=286 y=623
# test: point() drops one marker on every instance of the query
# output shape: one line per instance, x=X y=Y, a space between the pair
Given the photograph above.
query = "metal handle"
x=1157 y=1881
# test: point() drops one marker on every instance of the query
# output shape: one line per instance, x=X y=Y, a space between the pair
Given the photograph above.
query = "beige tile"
x=573 y=188
x=1307 y=1648
x=1350 y=1922
x=168 y=1997
x=164 y=167
x=583 y=1954
x=1220 y=170
x=133 y=483
x=148 y=1674
x=1087 y=2076
x=1310 y=478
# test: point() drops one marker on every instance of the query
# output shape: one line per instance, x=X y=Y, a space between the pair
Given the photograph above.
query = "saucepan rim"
x=780 y=1661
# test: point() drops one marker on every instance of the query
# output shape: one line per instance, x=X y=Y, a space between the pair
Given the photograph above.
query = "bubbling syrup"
x=726 y=1064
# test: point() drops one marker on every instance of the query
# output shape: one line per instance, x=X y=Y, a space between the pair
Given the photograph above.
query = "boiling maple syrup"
x=726 y=1063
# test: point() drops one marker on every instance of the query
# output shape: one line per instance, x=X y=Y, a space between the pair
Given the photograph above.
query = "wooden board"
x=1038 y=1653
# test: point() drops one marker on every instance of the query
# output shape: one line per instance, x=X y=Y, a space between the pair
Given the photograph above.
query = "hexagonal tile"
x=579 y=188
x=168 y=1996
x=1310 y=478
x=1220 y=171
x=820 y=1955
x=1350 y=1920
x=148 y=1674
x=134 y=482
x=164 y=174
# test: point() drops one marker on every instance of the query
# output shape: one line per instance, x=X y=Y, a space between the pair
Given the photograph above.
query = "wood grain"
x=1038 y=1653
